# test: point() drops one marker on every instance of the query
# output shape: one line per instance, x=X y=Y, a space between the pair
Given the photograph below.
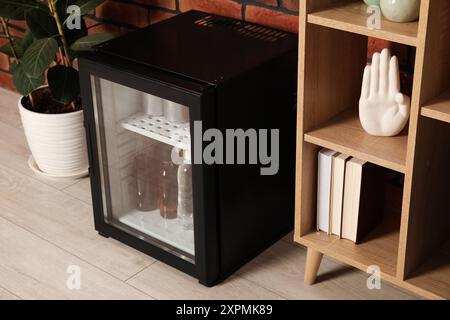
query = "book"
x=337 y=193
x=364 y=190
x=325 y=168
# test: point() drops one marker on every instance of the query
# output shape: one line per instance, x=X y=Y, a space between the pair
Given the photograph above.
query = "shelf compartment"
x=434 y=274
x=438 y=109
x=169 y=232
x=379 y=248
x=345 y=134
x=352 y=17
x=158 y=128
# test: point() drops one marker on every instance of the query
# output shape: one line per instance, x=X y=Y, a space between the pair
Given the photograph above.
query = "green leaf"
x=64 y=83
x=13 y=66
x=38 y=56
x=25 y=4
x=25 y=83
x=41 y=23
x=10 y=12
x=15 y=9
x=86 y=43
x=28 y=40
x=6 y=48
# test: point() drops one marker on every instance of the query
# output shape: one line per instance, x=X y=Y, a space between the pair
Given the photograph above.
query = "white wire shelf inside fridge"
x=166 y=231
x=158 y=128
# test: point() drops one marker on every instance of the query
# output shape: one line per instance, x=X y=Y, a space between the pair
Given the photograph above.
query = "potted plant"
x=43 y=66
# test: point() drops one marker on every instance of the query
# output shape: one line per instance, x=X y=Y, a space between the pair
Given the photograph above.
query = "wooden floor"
x=47 y=226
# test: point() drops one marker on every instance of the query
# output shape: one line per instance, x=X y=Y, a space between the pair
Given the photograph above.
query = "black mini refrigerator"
x=191 y=137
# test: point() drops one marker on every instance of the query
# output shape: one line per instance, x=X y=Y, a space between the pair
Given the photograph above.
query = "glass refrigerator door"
x=144 y=149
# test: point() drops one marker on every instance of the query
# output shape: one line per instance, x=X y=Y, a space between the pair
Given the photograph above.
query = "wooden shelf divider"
x=353 y=16
x=379 y=248
x=438 y=109
x=344 y=134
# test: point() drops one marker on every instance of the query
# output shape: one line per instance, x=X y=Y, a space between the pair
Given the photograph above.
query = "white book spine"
x=337 y=198
x=325 y=164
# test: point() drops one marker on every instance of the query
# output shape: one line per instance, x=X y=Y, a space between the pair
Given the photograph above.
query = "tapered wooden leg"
x=313 y=260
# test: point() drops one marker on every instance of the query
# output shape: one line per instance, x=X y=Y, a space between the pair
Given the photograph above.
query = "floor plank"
x=164 y=282
x=65 y=221
x=32 y=268
x=80 y=190
x=281 y=269
x=6 y=295
x=289 y=238
x=10 y=110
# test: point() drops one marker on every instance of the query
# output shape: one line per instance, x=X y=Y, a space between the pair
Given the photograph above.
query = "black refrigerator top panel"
x=202 y=47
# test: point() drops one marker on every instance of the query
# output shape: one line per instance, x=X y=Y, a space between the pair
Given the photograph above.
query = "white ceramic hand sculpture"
x=383 y=109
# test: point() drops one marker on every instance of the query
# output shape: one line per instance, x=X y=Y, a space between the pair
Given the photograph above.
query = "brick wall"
x=5 y=76
x=121 y=16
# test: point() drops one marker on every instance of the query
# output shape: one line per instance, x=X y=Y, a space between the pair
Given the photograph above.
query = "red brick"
x=19 y=23
x=377 y=45
x=123 y=13
x=159 y=15
x=292 y=5
x=105 y=27
x=399 y=50
x=271 y=18
x=226 y=8
x=4 y=62
x=90 y=22
x=16 y=33
x=272 y=3
x=6 y=81
x=169 y=4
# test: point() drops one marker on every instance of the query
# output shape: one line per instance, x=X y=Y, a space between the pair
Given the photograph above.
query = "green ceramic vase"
x=372 y=2
x=400 y=10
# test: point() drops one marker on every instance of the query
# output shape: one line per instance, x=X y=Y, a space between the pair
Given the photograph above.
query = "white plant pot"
x=57 y=142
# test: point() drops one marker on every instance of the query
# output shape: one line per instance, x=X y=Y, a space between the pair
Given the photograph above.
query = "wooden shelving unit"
x=438 y=109
x=411 y=246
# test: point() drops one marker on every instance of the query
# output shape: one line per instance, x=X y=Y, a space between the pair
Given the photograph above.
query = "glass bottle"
x=168 y=190
x=147 y=177
x=185 y=201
